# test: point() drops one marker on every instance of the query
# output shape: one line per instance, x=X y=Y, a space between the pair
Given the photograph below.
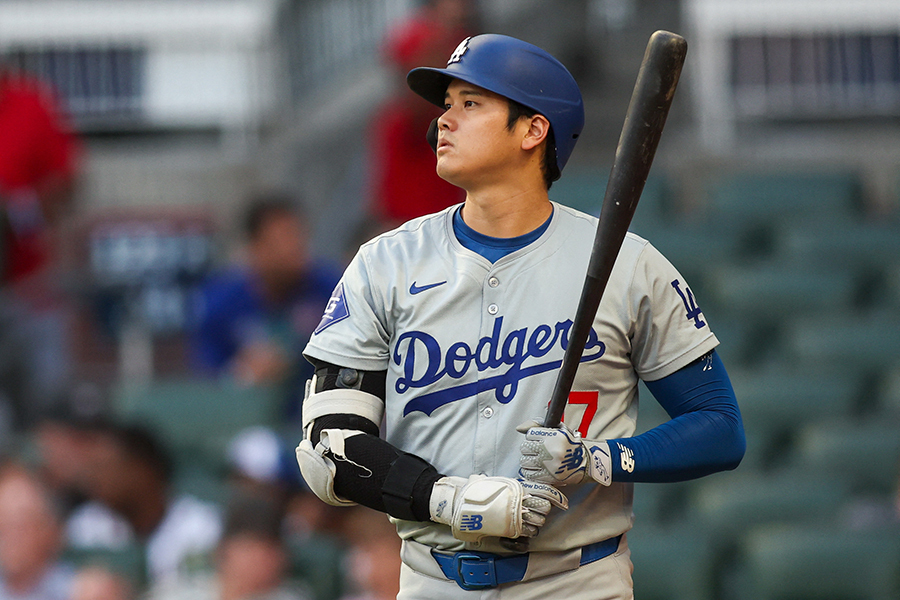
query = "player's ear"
x=537 y=132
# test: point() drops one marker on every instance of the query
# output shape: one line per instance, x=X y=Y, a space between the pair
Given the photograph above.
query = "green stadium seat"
x=867 y=454
x=731 y=503
x=774 y=401
x=318 y=563
x=892 y=285
x=655 y=503
x=782 y=394
x=779 y=291
x=760 y=197
x=128 y=561
x=692 y=247
x=200 y=478
x=584 y=190
x=671 y=563
x=871 y=341
x=821 y=563
x=889 y=394
x=197 y=418
x=867 y=245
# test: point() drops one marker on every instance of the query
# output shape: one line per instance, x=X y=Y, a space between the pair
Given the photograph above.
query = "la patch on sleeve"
x=336 y=309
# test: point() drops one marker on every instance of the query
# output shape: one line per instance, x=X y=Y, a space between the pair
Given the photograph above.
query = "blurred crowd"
x=91 y=505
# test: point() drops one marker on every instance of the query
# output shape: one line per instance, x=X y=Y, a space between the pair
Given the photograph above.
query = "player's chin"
x=449 y=172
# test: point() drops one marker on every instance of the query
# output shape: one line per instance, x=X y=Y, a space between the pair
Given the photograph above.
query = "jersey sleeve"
x=353 y=331
x=670 y=330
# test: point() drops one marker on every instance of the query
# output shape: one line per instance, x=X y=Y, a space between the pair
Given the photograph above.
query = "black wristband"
x=406 y=490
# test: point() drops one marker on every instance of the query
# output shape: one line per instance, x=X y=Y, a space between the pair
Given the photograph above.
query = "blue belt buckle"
x=475 y=572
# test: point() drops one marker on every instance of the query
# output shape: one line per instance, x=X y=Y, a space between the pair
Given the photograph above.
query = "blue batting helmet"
x=516 y=70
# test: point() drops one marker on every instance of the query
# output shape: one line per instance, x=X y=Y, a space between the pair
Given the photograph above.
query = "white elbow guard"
x=318 y=469
x=317 y=462
x=339 y=401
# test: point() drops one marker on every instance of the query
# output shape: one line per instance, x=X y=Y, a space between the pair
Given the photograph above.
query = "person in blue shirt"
x=256 y=317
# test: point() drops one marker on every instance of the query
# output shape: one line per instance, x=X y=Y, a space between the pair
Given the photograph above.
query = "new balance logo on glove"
x=471 y=522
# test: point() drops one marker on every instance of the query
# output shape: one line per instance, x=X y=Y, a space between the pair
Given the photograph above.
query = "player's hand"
x=559 y=456
x=482 y=506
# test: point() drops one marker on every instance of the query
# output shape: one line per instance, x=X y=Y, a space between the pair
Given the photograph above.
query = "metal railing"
x=92 y=83
x=816 y=75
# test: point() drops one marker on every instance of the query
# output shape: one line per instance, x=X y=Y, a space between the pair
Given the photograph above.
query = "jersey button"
x=492 y=309
x=493 y=282
x=488 y=412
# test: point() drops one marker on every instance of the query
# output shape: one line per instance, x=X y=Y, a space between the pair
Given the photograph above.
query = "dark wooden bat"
x=644 y=121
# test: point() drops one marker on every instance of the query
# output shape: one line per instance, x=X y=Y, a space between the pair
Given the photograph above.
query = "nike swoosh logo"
x=415 y=289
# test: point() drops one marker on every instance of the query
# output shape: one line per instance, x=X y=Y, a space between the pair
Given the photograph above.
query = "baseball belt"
x=482 y=570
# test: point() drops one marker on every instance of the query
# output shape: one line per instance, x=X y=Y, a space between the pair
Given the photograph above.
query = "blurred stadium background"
x=776 y=191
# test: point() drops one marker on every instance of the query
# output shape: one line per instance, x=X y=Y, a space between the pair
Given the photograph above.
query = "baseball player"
x=440 y=347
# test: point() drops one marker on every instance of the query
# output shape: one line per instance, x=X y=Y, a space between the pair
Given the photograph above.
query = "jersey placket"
x=487 y=405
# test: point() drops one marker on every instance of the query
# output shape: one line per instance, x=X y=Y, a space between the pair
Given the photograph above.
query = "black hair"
x=139 y=443
x=256 y=515
x=266 y=205
x=549 y=168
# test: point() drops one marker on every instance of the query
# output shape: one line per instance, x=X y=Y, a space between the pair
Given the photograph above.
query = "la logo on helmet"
x=460 y=50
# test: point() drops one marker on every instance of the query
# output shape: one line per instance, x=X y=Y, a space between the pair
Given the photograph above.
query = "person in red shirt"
x=38 y=169
x=38 y=158
x=405 y=184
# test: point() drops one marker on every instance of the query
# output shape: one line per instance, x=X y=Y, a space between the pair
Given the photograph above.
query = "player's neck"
x=505 y=215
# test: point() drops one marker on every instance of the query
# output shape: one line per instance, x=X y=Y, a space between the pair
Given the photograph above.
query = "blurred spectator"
x=262 y=464
x=131 y=503
x=373 y=562
x=404 y=180
x=38 y=169
x=97 y=583
x=251 y=559
x=30 y=540
x=65 y=439
x=255 y=318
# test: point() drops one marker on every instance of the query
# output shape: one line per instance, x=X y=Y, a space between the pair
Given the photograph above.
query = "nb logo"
x=572 y=460
x=471 y=522
x=627 y=457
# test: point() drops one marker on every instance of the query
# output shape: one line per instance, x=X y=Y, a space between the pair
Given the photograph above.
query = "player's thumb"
x=524 y=427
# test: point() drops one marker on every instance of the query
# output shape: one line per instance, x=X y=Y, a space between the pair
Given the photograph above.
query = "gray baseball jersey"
x=472 y=350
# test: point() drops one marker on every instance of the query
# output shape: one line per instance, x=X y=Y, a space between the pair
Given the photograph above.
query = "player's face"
x=475 y=147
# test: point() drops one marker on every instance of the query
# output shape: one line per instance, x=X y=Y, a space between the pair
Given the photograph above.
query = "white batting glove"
x=559 y=456
x=482 y=506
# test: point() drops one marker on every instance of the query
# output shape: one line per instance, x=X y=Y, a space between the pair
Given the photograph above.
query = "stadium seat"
x=889 y=394
x=846 y=340
x=731 y=503
x=855 y=245
x=821 y=563
x=776 y=400
x=584 y=190
x=671 y=563
x=655 y=503
x=129 y=561
x=196 y=418
x=319 y=563
x=867 y=454
x=753 y=197
x=780 y=291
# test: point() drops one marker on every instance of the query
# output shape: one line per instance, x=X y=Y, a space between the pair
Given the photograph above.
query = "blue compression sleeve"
x=705 y=434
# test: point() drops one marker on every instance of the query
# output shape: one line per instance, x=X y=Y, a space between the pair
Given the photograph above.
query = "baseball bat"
x=644 y=121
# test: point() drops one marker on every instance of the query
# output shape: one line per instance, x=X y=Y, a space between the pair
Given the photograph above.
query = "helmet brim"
x=430 y=83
